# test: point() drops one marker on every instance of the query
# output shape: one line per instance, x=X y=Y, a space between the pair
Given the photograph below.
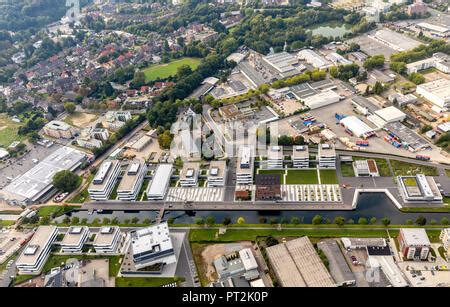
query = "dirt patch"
x=81 y=120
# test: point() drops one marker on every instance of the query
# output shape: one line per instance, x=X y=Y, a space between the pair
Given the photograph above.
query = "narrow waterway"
x=370 y=205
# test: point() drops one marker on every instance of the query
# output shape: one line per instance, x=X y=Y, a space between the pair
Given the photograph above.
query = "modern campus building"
x=189 y=174
x=300 y=156
x=297 y=264
x=327 y=156
x=414 y=243
x=36 y=184
x=36 y=253
x=104 y=181
x=59 y=130
x=109 y=240
x=74 y=239
x=437 y=92
x=132 y=181
x=366 y=168
x=217 y=174
x=244 y=169
x=161 y=180
x=152 y=245
x=419 y=189
x=275 y=157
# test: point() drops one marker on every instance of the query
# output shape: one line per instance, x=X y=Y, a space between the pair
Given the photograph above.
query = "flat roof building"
x=327 y=156
x=364 y=105
x=74 y=239
x=321 y=99
x=300 y=156
x=109 y=240
x=104 y=181
x=339 y=269
x=275 y=157
x=58 y=129
x=132 y=181
x=419 y=188
x=366 y=168
x=35 y=254
x=217 y=173
x=338 y=59
x=391 y=114
x=157 y=189
x=357 y=127
x=141 y=143
x=189 y=174
x=438 y=30
x=313 y=58
x=152 y=245
x=268 y=187
x=437 y=92
x=244 y=168
x=394 y=40
x=297 y=264
x=285 y=64
x=406 y=136
x=414 y=243
x=33 y=185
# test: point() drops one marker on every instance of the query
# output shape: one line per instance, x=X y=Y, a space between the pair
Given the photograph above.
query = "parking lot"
x=372 y=47
x=10 y=241
x=195 y=194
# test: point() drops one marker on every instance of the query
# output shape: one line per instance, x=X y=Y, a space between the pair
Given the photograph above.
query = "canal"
x=370 y=205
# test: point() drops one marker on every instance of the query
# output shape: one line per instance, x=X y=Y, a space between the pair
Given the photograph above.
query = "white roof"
x=154 y=238
x=248 y=260
x=160 y=180
x=390 y=114
x=415 y=236
x=433 y=27
x=439 y=88
x=357 y=126
x=321 y=99
x=257 y=283
x=444 y=127
x=3 y=153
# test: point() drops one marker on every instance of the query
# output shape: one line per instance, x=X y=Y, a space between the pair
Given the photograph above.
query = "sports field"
x=166 y=70
x=8 y=131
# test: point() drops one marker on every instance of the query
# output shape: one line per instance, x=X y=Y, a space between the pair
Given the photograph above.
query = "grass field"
x=302 y=177
x=8 y=131
x=55 y=210
x=404 y=169
x=163 y=71
x=328 y=176
x=80 y=119
x=6 y=223
x=347 y=170
x=144 y=281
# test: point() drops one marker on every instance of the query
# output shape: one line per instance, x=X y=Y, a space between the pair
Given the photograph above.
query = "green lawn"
x=347 y=170
x=163 y=71
x=426 y=209
x=328 y=176
x=302 y=177
x=410 y=182
x=405 y=169
x=57 y=260
x=83 y=196
x=8 y=131
x=6 y=223
x=145 y=281
x=55 y=210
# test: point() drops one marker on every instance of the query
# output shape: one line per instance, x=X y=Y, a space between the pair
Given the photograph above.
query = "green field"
x=405 y=169
x=55 y=210
x=302 y=177
x=328 y=176
x=347 y=170
x=145 y=281
x=163 y=71
x=8 y=131
x=6 y=223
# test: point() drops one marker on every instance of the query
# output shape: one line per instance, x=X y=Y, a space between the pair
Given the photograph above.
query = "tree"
x=409 y=222
x=75 y=220
x=376 y=61
x=350 y=221
x=385 y=221
x=70 y=107
x=170 y=220
x=444 y=221
x=199 y=221
x=126 y=221
x=226 y=221
x=262 y=220
x=271 y=241
x=66 y=181
x=183 y=71
x=147 y=222
x=264 y=88
x=378 y=88
x=45 y=220
x=106 y=221
x=433 y=222
x=339 y=220
x=362 y=221
x=373 y=220
x=317 y=220
x=295 y=220
x=241 y=220
x=165 y=139
x=421 y=220
x=210 y=220
x=66 y=220
x=135 y=220
x=115 y=221
x=416 y=78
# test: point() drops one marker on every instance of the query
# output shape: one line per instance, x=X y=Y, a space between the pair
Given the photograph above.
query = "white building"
x=321 y=99
x=152 y=245
x=437 y=92
x=275 y=157
x=420 y=65
x=365 y=168
x=74 y=239
x=132 y=181
x=338 y=59
x=391 y=114
x=414 y=243
x=445 y=239
x=244 y=169
x=438 y=30
x=327 y=156
x=109 y=240
x=217 y=174
x=161 y=180
x=248 y=259
x=300 y=156
x=36 y=253
x=104 y=181
x=313 y=58
x=189 y=174
x=357 y=126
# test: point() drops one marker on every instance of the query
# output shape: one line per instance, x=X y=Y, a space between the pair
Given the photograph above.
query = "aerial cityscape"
x=224 y=144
